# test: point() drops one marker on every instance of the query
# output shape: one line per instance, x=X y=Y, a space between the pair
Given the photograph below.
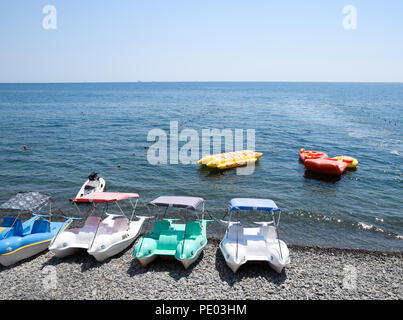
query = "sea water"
x=73 y=129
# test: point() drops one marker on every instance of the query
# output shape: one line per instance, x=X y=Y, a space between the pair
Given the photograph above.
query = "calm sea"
x=74 y=129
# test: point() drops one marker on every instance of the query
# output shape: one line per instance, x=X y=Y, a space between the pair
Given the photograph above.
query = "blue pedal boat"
x=20 y=240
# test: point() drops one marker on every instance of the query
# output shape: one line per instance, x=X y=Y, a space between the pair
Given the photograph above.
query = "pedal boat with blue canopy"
x=100 y=238
x=20 y=240
x=241 y=244
x=183 y=241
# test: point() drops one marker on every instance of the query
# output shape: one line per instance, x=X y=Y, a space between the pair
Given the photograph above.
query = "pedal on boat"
x=240 y=245
x=184 y=242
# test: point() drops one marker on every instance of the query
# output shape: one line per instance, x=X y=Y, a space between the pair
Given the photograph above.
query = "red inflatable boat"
x=325 y=166
x=309 y=154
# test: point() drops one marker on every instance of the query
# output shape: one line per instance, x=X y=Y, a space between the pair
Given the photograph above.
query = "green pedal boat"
x=184 y=241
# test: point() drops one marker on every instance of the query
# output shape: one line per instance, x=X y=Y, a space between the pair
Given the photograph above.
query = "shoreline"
x=314 y=273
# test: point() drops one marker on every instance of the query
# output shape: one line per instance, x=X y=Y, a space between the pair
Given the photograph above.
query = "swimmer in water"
x=25 y=147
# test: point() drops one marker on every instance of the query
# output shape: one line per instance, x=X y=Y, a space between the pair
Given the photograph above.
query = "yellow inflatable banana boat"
x=230 y=159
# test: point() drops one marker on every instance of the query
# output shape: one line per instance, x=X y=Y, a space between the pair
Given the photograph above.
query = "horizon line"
x=205 y=81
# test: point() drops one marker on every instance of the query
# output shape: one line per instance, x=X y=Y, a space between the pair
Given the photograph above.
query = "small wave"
x=395 y=152
x=360 y=225
x=373 y=228
x=365 y=226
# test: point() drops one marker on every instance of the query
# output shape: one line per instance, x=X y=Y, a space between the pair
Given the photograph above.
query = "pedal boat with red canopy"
x=241 y=244
x=101 y=238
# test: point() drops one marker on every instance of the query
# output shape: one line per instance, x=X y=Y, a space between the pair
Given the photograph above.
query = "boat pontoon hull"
x=24 y=253
x=185 y=262
x=73 y=240
x=118 y=241
x=18 y=247
x=269 y=252
x=241 y=244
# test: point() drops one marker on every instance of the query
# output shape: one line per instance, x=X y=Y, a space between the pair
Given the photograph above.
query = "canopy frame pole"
x=61 y=227
x=120 y=209
x=275 y=227
x=50 y=214
x=142 y=238
x=237 y=235
x=229 y=220
x=12 y=226
x=184 y=234
x=94 y=206
x=78 y=209
x=165 y=213
x=134 y=207
x=58 y=232
x=96 y=231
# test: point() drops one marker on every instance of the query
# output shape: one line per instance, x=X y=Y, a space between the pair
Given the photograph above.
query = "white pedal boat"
x=94 y=183
x=100 y=238
x=241 y=244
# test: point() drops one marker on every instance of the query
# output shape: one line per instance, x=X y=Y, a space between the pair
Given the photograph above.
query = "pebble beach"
x=314 y=273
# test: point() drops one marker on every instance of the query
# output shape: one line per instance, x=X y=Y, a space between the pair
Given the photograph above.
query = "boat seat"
x=40 y=226
x=15 y=223
x=193 y=229
x=268 y=232
x=160 y=226
x=91 y=223
x=91 y=185
x=168 y=240
x=235 y=232
x=87 y=232
x=120 y=224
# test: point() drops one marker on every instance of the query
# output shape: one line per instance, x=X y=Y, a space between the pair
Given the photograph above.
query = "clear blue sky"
x=201 y=40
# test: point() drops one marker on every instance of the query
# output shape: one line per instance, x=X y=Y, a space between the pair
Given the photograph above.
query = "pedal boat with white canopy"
x=101 y=238
x=241 y=244
x=183 y=241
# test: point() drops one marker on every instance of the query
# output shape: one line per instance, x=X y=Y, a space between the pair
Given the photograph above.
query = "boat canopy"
x=253 y=204
x=27 y=201
x=178 y=202
x=105 y=197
